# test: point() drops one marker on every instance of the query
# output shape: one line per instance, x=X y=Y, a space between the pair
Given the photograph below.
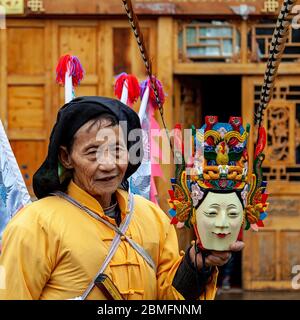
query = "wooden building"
x=210 y=56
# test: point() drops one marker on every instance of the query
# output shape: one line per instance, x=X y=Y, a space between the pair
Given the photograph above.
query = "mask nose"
x=222 y=220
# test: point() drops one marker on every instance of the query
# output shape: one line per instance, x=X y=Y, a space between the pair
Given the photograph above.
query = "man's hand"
x=215 y=258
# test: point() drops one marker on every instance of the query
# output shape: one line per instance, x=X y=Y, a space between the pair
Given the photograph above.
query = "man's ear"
x=64 y=157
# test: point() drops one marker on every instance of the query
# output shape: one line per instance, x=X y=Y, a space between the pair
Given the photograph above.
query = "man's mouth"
x=221 y=235
x=104 y=179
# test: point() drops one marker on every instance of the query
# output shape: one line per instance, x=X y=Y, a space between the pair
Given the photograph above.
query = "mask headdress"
x=69 y=74
x=220 y=158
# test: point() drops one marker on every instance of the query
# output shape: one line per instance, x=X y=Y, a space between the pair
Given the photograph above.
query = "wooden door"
x=25 y=98
x=271 y=253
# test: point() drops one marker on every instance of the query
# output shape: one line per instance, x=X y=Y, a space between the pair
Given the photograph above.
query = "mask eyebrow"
x=214 y=205
x=232 y=206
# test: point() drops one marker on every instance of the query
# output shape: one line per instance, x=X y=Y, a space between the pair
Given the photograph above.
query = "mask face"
x=219 y=220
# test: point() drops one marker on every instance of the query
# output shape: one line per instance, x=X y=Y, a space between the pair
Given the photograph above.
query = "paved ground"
x=238 y=294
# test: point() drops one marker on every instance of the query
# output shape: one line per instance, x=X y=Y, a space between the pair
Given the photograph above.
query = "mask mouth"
x=221 y=235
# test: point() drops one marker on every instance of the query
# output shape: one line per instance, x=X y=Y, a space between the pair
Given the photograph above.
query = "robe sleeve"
x=169 y=262
x=25 y=258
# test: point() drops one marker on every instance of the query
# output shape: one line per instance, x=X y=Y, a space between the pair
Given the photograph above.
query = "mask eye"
x=233 y=214
x=211 y=213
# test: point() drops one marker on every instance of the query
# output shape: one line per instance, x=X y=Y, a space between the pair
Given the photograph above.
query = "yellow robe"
x=53 y=250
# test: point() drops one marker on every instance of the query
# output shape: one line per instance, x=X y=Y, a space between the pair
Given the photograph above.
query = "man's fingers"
x=237 y=246
x=224 y=255
x=213 y=260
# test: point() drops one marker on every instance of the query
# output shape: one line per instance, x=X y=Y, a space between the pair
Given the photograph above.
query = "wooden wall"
x=29 y=53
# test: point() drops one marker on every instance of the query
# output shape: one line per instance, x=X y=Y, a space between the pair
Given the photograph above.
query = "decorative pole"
x=127 y=88
x=69 y=73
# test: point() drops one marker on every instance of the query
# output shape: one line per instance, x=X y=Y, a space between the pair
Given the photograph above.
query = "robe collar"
x=90 y=202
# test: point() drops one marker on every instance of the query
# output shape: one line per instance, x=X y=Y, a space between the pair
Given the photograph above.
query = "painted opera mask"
x=216 y=195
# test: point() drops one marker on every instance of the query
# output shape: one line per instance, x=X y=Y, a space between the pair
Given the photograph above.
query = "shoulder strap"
x=117 y=239
x=112 y=250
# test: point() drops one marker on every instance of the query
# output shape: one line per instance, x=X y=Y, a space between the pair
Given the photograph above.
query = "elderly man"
x=86 y=236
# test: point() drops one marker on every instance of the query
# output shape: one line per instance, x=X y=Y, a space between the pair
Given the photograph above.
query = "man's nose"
x=222 y=220
x=107 y=162
x=107 y=166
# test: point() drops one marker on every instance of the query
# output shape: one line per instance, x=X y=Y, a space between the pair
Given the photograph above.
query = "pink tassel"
x=71 y=64
x=180 y=225
x=254 y=227
x=132 y=86
x=153 y=191
x=152 y=98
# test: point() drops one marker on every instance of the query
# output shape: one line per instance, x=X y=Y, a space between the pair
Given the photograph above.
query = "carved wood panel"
x=271 y=253
x=260 y=36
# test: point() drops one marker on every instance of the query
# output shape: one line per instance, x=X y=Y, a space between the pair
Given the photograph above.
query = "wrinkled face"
x=219 y=220
x=98 y=157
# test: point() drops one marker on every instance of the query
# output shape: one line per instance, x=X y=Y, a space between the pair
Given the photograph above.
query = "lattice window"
x=213 y=41
x=259 y=39
x=282 y=122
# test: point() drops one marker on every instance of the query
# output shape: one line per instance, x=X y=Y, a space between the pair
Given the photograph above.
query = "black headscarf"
x=70 y=118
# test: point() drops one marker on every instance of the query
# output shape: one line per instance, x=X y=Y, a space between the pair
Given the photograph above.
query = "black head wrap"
x=70 y=118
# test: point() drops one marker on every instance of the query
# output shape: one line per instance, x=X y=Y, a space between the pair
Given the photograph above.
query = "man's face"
x=99 y=157
x=219 y=220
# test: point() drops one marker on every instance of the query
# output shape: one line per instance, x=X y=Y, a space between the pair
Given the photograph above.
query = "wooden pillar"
x=107 y=62
x=164 y=57
x=244 y=41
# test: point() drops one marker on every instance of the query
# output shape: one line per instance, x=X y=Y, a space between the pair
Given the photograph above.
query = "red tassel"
x=171 y=193
x=260 y=223
x=119 y=85
x=174 y=220
x=132 y=85
x=261 y=141
x=240 y=236
x=76 y=70
x=264 y=197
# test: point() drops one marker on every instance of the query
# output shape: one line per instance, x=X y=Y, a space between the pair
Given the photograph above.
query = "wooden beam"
x=148 y=7
x=189 y=68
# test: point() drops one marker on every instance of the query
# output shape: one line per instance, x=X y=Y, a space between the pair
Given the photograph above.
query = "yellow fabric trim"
x=90 y=202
